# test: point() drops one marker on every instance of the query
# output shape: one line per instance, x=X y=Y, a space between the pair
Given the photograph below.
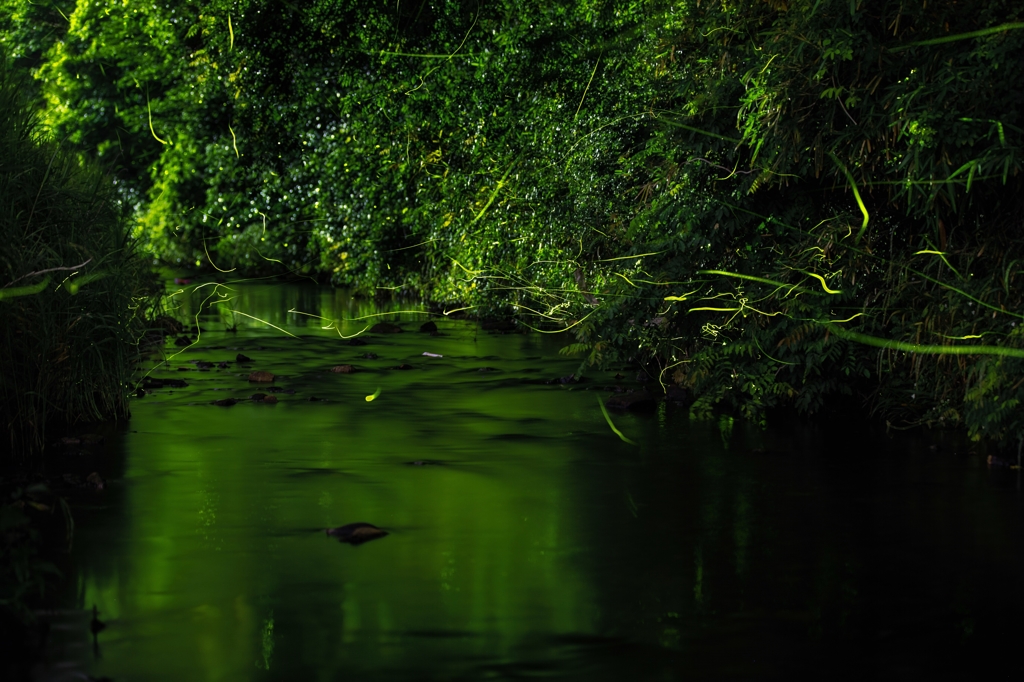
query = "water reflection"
x=298 y=308
x=534 y=543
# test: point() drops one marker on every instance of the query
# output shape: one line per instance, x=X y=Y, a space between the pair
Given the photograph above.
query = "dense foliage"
x=72 y=286
x=769 y=203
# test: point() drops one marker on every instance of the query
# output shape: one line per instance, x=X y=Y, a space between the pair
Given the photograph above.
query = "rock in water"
x=356 y=533
x=637 y=401
x=261 y=377
x=678 y=395
x=385 y=328
x=343 y=369
x=428 y=328
x=151 y=384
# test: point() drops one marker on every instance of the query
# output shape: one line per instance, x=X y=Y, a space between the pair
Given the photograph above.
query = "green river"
x=526 y=540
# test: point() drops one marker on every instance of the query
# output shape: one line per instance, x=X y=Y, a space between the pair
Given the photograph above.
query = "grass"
x=74 y=291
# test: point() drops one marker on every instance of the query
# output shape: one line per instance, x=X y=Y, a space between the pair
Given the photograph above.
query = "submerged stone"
x=385 y=328
x=428 y=328
x=150 y=384
x=343 y=369
x=356 y=533
x=261 y=377
x=224 y=402
x=242 y=358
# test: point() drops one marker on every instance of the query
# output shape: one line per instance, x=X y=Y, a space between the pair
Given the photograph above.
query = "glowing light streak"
x=608 y=418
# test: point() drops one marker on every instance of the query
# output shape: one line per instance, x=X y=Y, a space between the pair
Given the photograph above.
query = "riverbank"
x=74 y=289
x=74 y=296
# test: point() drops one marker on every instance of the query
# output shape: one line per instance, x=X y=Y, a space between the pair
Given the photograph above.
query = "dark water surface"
x=534 y=544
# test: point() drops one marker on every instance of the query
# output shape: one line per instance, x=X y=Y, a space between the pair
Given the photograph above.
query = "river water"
x=525 y=539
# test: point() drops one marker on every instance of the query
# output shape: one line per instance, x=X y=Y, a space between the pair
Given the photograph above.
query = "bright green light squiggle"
x=923 y=348
x=608 y=418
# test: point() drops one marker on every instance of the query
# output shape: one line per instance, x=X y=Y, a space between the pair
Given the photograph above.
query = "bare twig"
x=728 y=170
x=40 y=272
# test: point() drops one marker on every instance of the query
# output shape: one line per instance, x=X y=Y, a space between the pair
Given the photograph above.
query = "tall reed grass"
x=74 y=291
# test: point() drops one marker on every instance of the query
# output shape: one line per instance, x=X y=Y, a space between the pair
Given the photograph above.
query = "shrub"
x=72 y=287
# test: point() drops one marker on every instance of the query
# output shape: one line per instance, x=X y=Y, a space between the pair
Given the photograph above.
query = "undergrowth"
x=771 y=204
x=73 y=288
